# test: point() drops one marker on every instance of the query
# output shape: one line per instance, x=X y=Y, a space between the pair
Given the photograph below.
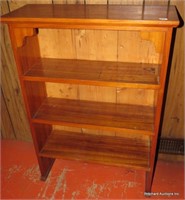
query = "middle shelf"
x=96 y=115
x=100 y=73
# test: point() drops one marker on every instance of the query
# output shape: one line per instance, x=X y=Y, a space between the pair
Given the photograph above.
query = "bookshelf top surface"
x=100 y=14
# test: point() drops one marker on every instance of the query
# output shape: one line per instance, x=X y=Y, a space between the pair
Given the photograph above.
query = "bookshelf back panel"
x=126 y=46
x=103 y=94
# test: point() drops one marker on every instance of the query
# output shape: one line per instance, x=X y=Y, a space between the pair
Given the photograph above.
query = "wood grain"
x=61 y=46
x=96 y=1
x=85 y=42
x=115 y=74
x=45 y=164
x=89 y=114
x=131 y=118
x=148 y=46
x=98 y=149
x=136 y=96
x=173 y=121
x=35 y=93
x=95 y=93
x=11 y=90
x=68 y=1
x=92 y=16
x=7 y=129
x=126 y=2
x=28 y=49
x=15 y=4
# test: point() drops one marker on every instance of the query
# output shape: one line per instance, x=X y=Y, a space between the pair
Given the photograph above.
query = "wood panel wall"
x=14 y=122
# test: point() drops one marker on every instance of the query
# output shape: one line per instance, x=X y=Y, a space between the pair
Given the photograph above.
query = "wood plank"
x=96 y=45
x=140 y=46
x=97 y=93
x=68 y=1
x=126 y=2
x=35 y=93
x=93 y=15
x=61 y=45
x=174 y=117
x=66 y=91
x=136 y=96
x=96 y=1
x=173 y=121
x=29 y=53
x=15 y=4
x=93 y=115
x=100 y=149
x=45 y=164
x=115 y=74
x=11 y=90
x=41 y=133
x=7 y=129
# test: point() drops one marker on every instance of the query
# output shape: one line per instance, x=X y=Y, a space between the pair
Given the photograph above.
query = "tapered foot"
x=45 y=165
x=148 y=182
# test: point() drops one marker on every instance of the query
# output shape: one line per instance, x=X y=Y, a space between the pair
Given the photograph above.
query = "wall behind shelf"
x=14 y=122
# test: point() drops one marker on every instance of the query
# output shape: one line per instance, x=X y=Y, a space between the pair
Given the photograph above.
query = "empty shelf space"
x=100 y=73
x=93 y=115
x=107 y=150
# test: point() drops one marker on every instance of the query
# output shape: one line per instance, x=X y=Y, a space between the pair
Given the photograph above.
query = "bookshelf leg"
x=45 y=165
x=148 y=181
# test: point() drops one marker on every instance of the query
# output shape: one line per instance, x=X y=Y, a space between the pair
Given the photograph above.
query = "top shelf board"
x=90 y=16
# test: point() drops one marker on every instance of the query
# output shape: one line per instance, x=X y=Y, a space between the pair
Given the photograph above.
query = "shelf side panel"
x=41 y=133
x=28 y=49
x=35 y=94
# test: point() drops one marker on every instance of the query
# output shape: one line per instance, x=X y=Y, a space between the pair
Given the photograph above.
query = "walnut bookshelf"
x=136 y=125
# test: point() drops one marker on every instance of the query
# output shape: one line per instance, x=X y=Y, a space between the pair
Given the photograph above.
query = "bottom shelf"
x=108 y=150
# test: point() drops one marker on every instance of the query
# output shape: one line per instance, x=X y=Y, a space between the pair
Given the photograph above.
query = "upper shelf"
x=92 y=16
x=100 y=73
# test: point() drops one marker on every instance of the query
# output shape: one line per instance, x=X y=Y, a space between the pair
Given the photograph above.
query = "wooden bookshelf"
x=134 y=66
